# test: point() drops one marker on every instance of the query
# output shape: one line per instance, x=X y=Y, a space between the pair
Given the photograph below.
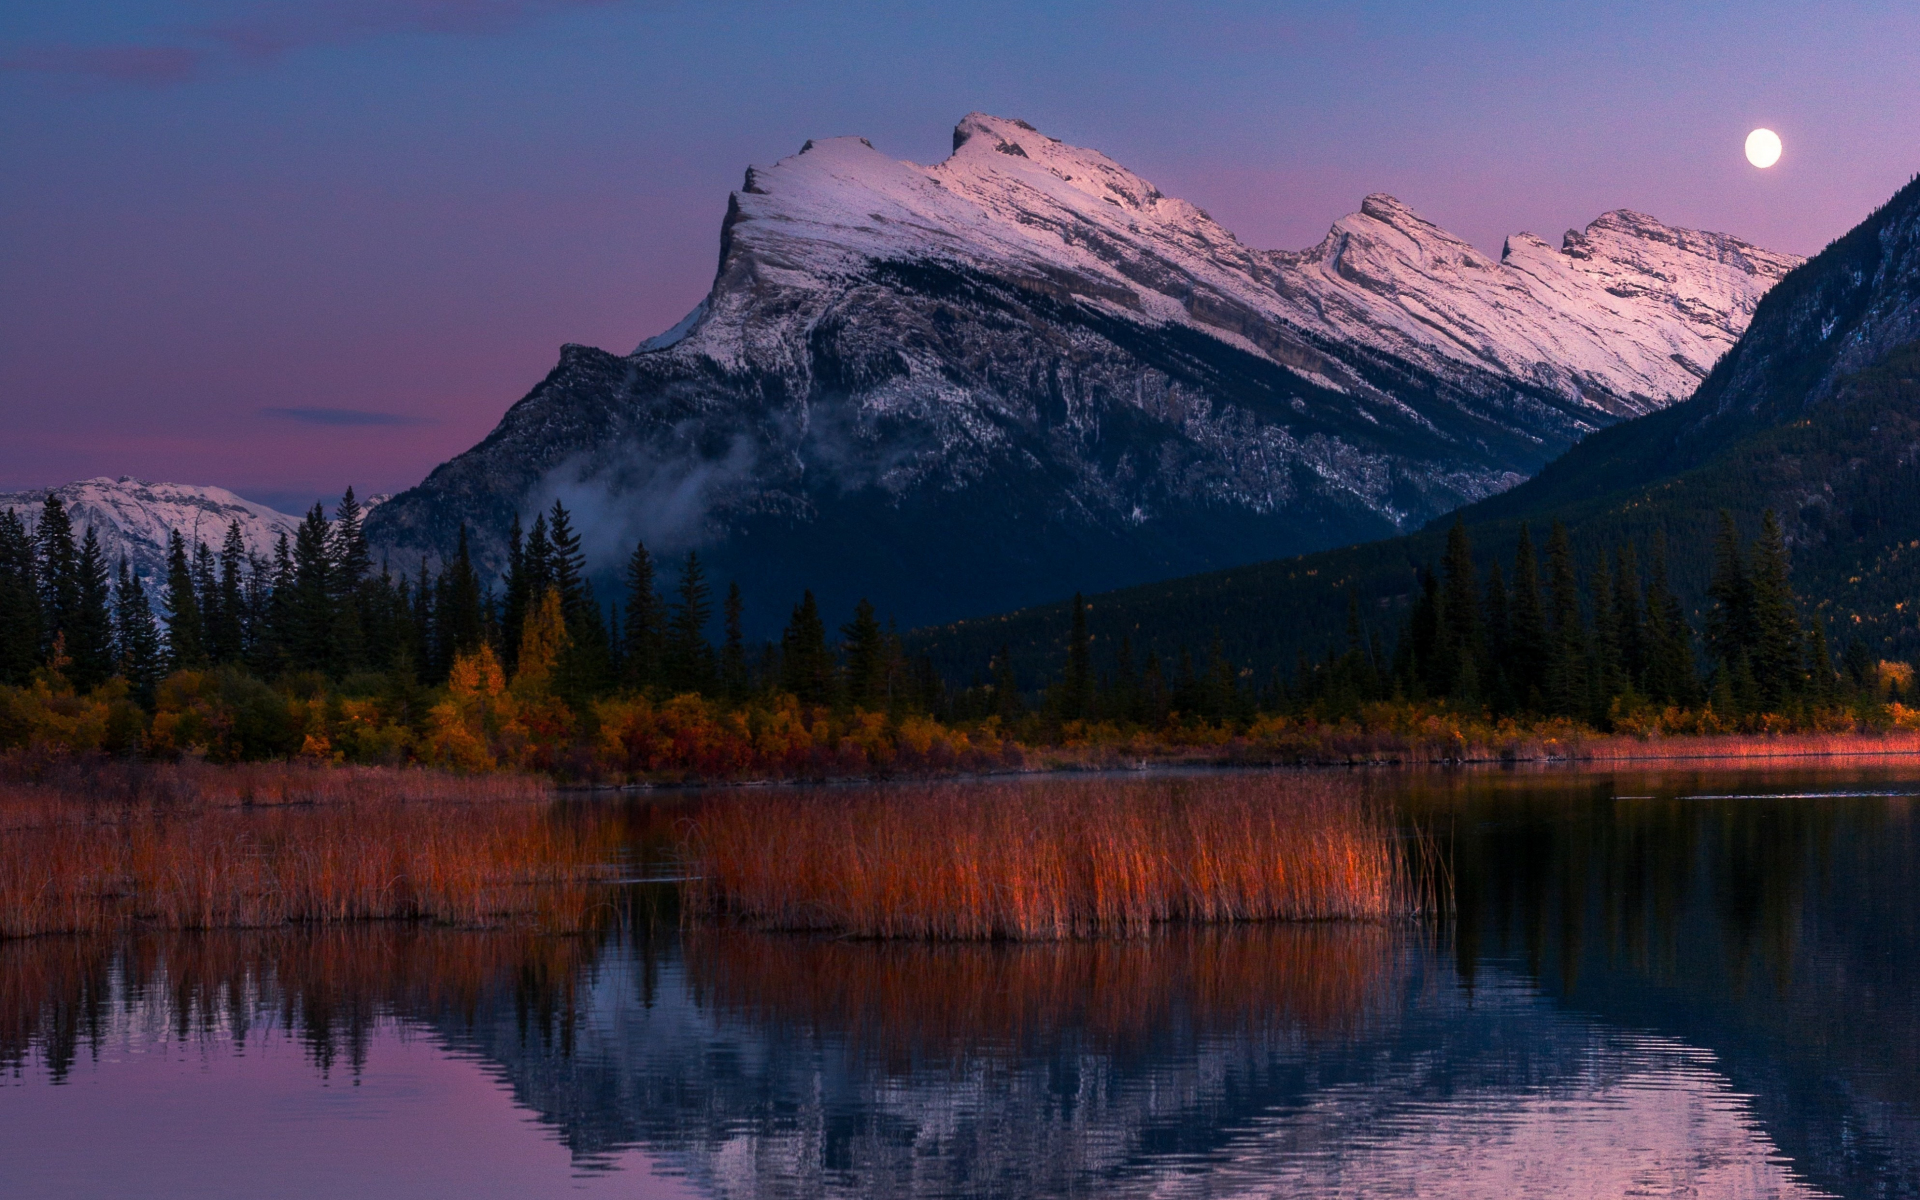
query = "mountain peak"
x=1026 y=362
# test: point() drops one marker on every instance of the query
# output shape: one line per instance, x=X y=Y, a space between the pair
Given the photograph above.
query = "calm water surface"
x=1657 y=984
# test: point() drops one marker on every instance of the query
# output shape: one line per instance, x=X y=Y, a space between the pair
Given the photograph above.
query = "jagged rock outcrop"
x=1024 y=370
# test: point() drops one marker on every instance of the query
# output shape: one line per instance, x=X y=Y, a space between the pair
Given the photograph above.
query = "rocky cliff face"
x=1024 y=370
x=133 y=518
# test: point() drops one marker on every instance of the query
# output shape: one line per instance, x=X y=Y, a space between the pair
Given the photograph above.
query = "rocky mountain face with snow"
x=1024 y=370
x=133 y=518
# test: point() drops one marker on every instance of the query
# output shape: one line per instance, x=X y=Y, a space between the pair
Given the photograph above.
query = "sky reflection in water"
x=1704 y=996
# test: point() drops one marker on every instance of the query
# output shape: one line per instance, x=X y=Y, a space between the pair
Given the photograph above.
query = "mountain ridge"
x=132 y=518
x=952 y=388
x=1815 y=414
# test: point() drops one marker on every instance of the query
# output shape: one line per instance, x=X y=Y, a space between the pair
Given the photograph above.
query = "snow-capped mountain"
x=1025 y=369
x=133 y=518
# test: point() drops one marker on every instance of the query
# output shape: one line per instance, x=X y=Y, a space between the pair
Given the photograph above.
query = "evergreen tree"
x=1528 y=654
x=310 y=611
x=186 y=639
x=270 y=651
x=569 y=564
x=20 y=625
x=459 y=624
x=1074 y=700
x=585 y=666
x=206 y=588
x=1424 y=672
x=59 y=570
x=1730 y=628
x=806 y=665
x=351 y=562
x=137 y=646
x=734 y=681
x=1607 y=677
x=1670 y=675
x=426 y=632
x=1124 y=700
x=226 y=620
x=689 y=662
x=1220 y=688
x=1007 y=702
x=538 y=559
x=1155 y=702
x=1498 y=673
x=645 y=634
x=1628 y=618
x=1775 y=656
x=1567 y=650
x=90 y=632
x=1822 y=682
x=352 y=559
x=866 y=654
x=513 y=611
x=1857 y=664
x=1460 y=648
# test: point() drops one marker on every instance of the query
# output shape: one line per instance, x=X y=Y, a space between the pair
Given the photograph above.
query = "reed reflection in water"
x=1641 y=995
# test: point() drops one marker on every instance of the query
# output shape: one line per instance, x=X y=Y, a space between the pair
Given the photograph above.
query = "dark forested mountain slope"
x=961 y=387
x=1814 y=414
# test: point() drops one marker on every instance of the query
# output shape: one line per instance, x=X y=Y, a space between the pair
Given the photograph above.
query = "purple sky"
x=287 y=246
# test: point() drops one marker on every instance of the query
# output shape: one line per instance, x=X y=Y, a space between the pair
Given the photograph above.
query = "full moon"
x=1763 y=147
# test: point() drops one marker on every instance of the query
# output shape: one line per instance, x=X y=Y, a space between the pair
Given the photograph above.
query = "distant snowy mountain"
x=132 y=517
x=1023 y=370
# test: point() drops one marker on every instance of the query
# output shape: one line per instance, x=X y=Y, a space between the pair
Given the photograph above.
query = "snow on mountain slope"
x=1626 y=316
x=973 y=385
x=133 y=518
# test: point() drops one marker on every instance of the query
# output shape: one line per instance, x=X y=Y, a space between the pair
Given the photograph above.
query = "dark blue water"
x=1679 y=984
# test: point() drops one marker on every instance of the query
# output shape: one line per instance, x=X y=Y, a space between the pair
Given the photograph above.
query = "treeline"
x=1537 y=638
x=313 y=650
x=1547 y=639
x=318 y=613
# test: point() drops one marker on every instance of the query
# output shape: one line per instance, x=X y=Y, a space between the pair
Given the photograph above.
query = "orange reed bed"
x=954 y=999
x=1739 y=747
x=187 y=846
x=1051 y=859
x=1447 y=742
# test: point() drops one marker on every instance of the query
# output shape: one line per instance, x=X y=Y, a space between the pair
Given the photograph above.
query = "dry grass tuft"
x=1054 y=859
x=189 y=846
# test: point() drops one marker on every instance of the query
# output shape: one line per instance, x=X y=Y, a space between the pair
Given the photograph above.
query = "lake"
x=1701 y=983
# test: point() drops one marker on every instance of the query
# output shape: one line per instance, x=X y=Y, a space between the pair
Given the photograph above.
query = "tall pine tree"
x=1775 y=656
x=806 y=665
x=689 y=665
x=138 y=652
x=1528 y=654
x=1567 y=648
x=20 y=625
x=866 y=652
x=644 y=638
x=59 y=571
x=186 y=638
x=90 y=632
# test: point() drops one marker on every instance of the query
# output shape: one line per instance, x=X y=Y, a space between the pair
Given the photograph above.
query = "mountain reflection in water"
x=1641 y=996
